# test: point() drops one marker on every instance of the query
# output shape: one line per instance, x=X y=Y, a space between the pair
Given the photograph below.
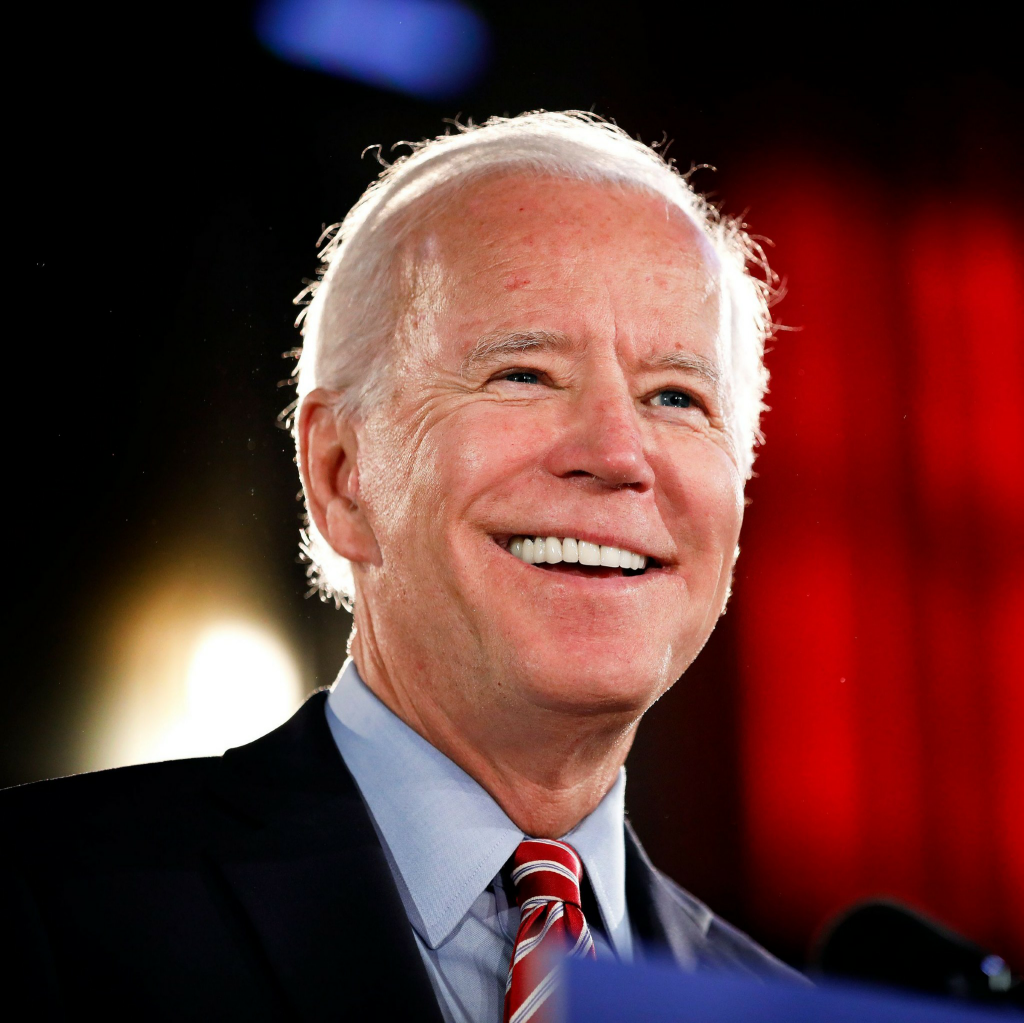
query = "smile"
x=547 y=551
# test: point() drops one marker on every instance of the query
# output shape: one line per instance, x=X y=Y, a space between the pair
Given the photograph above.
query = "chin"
x=602 y=679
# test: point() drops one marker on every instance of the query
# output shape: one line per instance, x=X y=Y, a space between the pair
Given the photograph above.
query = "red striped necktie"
x=547 y=876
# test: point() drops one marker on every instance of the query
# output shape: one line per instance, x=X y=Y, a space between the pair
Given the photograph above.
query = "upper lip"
x=590 y=536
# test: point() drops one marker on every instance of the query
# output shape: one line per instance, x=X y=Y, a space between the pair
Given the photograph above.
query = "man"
x=528 y=399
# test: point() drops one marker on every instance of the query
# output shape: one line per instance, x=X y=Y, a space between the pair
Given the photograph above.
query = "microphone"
x=884 y=942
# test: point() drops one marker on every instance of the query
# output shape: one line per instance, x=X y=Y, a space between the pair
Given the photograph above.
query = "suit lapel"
x=668 y=920
x=306 y=869
x=665 y=924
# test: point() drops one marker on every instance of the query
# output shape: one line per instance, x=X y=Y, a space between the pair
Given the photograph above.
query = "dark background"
x=172 y=179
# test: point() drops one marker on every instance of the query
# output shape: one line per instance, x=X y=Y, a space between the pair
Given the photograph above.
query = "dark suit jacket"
x=250 y=886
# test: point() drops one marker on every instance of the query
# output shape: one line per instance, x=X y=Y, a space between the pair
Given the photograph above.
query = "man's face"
x=559 y=371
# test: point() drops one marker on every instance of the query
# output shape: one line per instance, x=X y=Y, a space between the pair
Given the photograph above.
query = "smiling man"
x=528 y=400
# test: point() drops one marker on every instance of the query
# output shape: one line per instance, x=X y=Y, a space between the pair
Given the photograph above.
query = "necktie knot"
x=543 y=869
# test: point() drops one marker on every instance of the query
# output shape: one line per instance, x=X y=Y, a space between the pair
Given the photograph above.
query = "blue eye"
x=521 y=376
x=673 y=399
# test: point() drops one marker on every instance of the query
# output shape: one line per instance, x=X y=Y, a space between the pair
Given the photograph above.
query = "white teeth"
x=539 y=550
x=610 y=557
x=552 y=550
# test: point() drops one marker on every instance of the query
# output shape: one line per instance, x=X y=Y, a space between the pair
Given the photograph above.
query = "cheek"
x=478 y=449
x=482 y=455
x=704 y=501
x=436 y=476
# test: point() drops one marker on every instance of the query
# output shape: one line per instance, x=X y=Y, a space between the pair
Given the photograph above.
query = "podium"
x=599 y=992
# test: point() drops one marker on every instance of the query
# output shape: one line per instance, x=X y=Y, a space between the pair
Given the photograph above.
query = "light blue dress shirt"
x=446 y=840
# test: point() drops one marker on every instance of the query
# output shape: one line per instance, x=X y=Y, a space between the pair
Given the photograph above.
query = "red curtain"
x=880 y=589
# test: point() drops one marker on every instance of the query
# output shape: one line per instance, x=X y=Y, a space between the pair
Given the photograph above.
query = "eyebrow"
x=690 y=362
x=494 y=346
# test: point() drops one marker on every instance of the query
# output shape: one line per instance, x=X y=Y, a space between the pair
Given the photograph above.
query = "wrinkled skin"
x=614 y=424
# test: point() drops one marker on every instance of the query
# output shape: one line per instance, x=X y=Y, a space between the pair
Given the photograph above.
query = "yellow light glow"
x=240 y=683
x=183 y=685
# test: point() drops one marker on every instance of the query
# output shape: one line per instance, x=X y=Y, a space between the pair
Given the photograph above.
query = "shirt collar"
x=600 y=840
x=446 y=836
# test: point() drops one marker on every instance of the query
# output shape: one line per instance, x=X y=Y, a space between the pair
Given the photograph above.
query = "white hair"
x=351 y=311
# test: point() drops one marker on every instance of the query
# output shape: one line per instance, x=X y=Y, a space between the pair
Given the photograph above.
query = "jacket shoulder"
x=669 y=918
x=165 y=812
x=138 y=806
x=118 y=784
x=727 y=947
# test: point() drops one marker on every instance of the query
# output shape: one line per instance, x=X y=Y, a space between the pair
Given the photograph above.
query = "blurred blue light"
x=992 y=965
x=428 y=48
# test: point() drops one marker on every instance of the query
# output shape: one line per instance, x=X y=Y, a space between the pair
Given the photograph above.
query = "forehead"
x=581 y=256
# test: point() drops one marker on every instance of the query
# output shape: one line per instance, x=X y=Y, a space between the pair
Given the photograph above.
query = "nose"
x=602 y=440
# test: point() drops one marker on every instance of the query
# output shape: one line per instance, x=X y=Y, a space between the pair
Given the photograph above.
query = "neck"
x=547 y=768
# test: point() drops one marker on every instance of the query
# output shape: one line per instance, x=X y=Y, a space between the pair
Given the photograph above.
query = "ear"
x=328 y=446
